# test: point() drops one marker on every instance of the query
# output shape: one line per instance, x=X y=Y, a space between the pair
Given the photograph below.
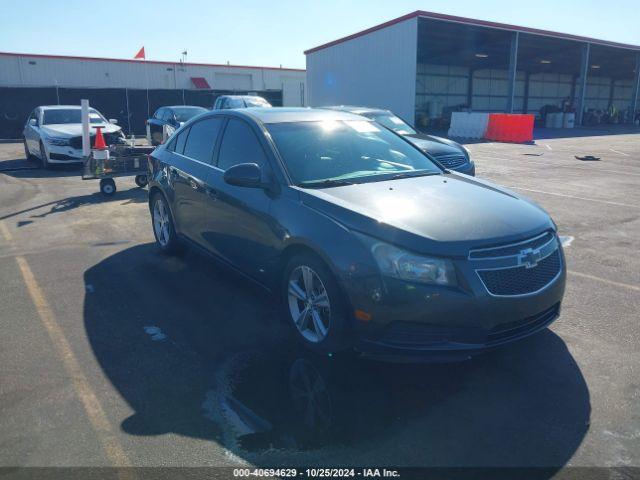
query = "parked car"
x=367 y=242
x=224 y=102
x=167 y=119
x=450 y=154
x=53 y=133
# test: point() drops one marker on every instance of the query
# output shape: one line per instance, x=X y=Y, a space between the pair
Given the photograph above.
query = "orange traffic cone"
x=99 y=143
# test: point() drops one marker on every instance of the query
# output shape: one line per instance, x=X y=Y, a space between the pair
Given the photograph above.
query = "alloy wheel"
x=161 y=222
x=309 y=304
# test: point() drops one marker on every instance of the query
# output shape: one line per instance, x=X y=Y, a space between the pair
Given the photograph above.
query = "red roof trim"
x=158 y=62
x=471 y=21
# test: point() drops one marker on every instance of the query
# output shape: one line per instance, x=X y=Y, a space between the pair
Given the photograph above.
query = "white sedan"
x=53 y=133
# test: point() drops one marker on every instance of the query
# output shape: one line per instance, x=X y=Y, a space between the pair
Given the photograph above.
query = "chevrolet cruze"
x=366 y=241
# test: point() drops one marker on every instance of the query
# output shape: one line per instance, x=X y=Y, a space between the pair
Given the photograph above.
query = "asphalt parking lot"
x=112 y=354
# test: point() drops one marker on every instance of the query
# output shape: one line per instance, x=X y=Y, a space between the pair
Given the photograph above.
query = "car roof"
x=241 y=96
x=183 y=106
x=285 y=114
x=357 y=110
x=62 y=107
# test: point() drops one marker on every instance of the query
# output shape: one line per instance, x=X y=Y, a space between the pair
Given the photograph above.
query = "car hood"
x=440 y=214
x=434 y=145
x=75 y=129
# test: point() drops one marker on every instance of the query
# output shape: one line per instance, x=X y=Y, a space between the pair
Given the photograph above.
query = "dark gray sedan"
x=366 y=241
x=449 y=153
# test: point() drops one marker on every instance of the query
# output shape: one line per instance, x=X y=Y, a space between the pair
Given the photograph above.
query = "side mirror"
x=33 y=122
x=244 y=175
x=113 y=121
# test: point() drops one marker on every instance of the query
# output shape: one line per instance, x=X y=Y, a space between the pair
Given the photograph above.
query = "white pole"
x=86 y=140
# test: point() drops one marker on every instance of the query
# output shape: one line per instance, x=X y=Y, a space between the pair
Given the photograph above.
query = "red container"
x=509 y=127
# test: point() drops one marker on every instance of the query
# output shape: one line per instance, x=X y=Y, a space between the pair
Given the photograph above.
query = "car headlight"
x=58 y=142
x=398 y=263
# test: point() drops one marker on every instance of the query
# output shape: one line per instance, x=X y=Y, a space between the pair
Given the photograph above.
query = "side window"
x=33 y=116
x=180 y=140
x=159 y=113
x=168 y=114
x=240 y=145
x=202 y=138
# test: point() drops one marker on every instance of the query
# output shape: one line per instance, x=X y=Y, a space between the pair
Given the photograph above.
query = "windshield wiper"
x=325 y=183
x=413 y=174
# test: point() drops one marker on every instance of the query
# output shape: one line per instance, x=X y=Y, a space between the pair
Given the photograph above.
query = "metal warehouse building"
x=131 y=90
x=425 y=65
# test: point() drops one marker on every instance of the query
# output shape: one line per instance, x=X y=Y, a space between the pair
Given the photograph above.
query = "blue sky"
x=257 y=32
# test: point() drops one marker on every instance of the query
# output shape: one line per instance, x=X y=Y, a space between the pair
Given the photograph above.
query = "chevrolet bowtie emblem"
x=529 y=257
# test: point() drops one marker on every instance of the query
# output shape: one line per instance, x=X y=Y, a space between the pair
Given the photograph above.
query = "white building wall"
x=377 y=69
x=43 y=71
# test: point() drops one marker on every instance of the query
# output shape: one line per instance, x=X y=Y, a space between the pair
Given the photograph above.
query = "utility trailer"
x=123 y=161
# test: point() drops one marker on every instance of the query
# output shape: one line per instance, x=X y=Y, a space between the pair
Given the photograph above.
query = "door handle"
x=194 y=184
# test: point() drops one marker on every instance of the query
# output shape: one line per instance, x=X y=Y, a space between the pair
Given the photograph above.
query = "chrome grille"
x=451 y=160
x=109 y=138
x=522 y=280
x=513 y=249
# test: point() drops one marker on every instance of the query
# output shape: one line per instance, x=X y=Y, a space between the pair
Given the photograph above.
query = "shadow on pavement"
x=133 y=195
x=198 y=352
x=22 y=168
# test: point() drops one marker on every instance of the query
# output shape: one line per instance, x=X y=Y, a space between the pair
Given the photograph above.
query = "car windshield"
x=396 y=124
x=70 y=115
x=184 y=114
x=256 y=102
x=330 y=153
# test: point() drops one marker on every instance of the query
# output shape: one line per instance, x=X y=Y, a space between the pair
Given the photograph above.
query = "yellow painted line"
x=5 y=232
x=90 y=402
x=635 y=288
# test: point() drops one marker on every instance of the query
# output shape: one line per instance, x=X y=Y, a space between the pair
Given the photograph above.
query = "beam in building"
x=636 y=89
x=513 y=66
x=584 y=71
x=525 y=100
x=470 y=89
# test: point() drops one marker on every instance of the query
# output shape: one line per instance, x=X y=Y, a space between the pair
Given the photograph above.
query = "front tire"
x=27 y=153
x=163 y=226
x=141 y=181
x=43 y=157
x=314 y=305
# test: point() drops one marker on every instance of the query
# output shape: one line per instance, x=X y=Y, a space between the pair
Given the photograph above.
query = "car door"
x=189 y=172
x=238 y=226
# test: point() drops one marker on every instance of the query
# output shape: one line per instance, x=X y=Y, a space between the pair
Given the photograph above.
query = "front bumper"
x=63 y=154
x=418 y=321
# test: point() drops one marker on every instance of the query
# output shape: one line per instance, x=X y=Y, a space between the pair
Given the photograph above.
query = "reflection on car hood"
x=433 y=145
x=439 y=214
x=75 y=129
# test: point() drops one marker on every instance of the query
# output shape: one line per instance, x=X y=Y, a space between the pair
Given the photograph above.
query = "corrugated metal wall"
x=41 y=71
x=377 y=70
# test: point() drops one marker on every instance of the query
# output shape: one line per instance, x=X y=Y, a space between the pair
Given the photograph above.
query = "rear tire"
x=108 y=186
x=163 y=227
x=314 y=305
